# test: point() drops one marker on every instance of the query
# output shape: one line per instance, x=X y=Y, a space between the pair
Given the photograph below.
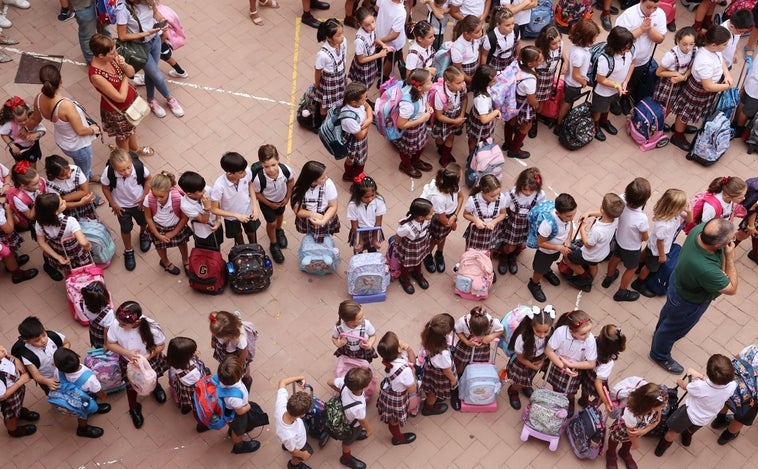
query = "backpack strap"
x=20 y=351
x=55 y=337
x=493 y=44
x=80 y=381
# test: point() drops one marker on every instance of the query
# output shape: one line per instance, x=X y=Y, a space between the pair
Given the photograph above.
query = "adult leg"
x=153 y=76
x=82 y=158
x=86 y=20
x=676 y=319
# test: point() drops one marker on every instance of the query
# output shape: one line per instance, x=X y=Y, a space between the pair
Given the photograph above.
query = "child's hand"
x=15 y=150
x=90 y=197
x=164 y=238
x=459 y=121
x=365 y=345
x=53 y=384
x=341 y=342
x=490 y=225
x=647 y=24
x=117 y=210
x=369 y=431
x=23 y=379
x=571 y=372
x=242 y=218
x=538 y=364
x=565 y=250
x=662 y=258
x=358 y=247
x=63 y=260
x=383 y=53
x=479 y=224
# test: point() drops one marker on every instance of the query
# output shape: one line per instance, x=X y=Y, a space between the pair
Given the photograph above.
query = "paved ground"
x=243 y=81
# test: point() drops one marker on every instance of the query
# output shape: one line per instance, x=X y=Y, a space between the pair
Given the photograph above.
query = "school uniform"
x=413 y=141
x=704 y=400
x=693 y=101
x=442 y=203
x=223 y=347
x=619 y=428
x=602 y=372
x=564 y=345
x=183 y=381
x=275 y=190
x=97 y=323
x=709 y=213
x=419 y=57
x=392 y=403
x=519 y=373
x=544 y=258
x=203 y=234
x=603 y=96
x=482 y=238
x=365 y=46
x=599 y=236
x=235 y=198
x=63 y=241
x=546 y=74
x=357 y=148
x=11 y=406
x=126 y=194
x=355 y=409
x=332 y=62
x=434 y=380
x=515 y=227
x=749 y=95
x=579 y=57
x=131 y=340
x=353 y=346
x=165 y=220
x=731 y=45
x=502 y=52
x=527 y=86
x=664 y=230
x=465 y=53
x=631 y=224
x=365 y=215
x=450 y=108
x=316 y=199
x=675 y=61
x=12 y=240
x=465 y=354
x=292 y=435
x=474 y=127
x=44 y=356
x=412 y=242
x=72 y=184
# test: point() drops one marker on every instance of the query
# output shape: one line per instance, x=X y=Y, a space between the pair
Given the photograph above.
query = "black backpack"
x=250 y=269
x=139 y=168
x=578 y=128
x=257 y=170
x=20 y=351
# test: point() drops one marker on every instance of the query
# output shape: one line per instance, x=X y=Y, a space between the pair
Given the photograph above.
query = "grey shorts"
x=571 y=93
x=631 y=259
x=602 y=104
x=679 y=421
x=651 y=261
x=749 y=105
x=542 y=262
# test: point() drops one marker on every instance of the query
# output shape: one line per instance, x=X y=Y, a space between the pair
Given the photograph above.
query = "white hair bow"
x=533 y=312
x=550 y=310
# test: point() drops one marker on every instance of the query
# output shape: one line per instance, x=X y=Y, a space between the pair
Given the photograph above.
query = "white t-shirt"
x=193 y=209
x=127 y=191
x=564 y=345
x=330 y=59
x=391 y=17
x=469 y=7
x=405 y=379
x=233 y=197
x=527 y=85
x=546 y=228
x=107 y=320
x=45 y=356
x=364 y=43
x=237 y=402
x=444 y=203
x=8 y=366
x=523 y=16
x=664 y=230
x=92 y=385
x=579 y=57
x=310 y=198
x=164 y=213
x=463 y=51
x=353 y=125
x=519 y=203
x=461 y=325
x=631 y=19
x=751 y=83
x=603 y=370
x=365 y=214
x=354 y=344
x=51 y=232
x=64 y=186
x=232 y=345
x=674 y=56
x=276 y=189
x=131 y=340
x=144 y=15
x=292 y=436
x=599 y=236
x=731 y=46
x=488 y=212
x=418 y=57
x=412 y=109
x=356 y=412
x=709 y=213
x=413 y=229
x=707 y=65
x=20 y=205
x=631 y=224
x=539 y=346
x=705 y=399
x=621 y=66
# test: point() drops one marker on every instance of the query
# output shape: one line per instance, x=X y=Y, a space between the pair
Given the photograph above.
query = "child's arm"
x=151 y=224
x=404 y=123
x=532 y=100
x=462 y=337
x=487 y=118
x=378 y=223
x=554 y=358
x=369 y=343
x=661 y=251
x=391 y=36
x=116 y=348
x=23 y=378
x=644 y=235
x=362 y=59
x=486 y=10
x=79 y=197
x=145 y=191
x=284 y=382
x=536 y=366
x=636 y=433
x=8 y=226
x=331 y=210
x=179 y=226
x=527 y=5
x=578 y=76
x=487 y=339
x=115 y=208
x=253 y=198
x=317 y=78
x=216 y=210
x=543 y=243
x=51 y=383
x=623 y=85
x=366 y=426
x=82 y=240
x=42 y=242
x=438 y=12
x=330 y=382
x=473 y=219
x=455 y=12
x=600 y=390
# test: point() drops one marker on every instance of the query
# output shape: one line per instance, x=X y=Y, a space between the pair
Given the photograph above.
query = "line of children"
x=366 y=209
x=447 y=200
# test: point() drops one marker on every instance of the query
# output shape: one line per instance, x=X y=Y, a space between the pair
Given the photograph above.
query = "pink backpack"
x=176 y=201
x=697 y=203
x=474 y=275
x=393 y=261
x=141 y=376
x=438 y=88
x=14 y=192
x=79 y=278
x=176 y=36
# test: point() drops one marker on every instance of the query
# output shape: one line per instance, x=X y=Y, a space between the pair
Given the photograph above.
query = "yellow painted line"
x=293 y=91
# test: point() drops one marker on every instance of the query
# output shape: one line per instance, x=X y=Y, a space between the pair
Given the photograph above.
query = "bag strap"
x=123 y=113
x=134 y=15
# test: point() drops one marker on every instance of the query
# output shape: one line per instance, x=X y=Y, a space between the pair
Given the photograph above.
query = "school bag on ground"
x=209 y=406
x=542 y=15
x=674 y=401
x=393 y=260
x=541 y=212
x=645 y=125
x=387 y=108
x=712 y=140
x=318 y=258
x=658 y=282
x=474 y=275
x=586 y=433
x=578 y=128
x=510 y=322
x=487 y=158
x=545 y=416
x=479 y=386
x=549 y=111
x=102 y=240
x=250 y=269
x=141 y=376
x=336 y=422
x=619 y=393
x=744 y=397
x=105 y=365
x=331 y=134
x=207 y=270
x=368 y=277
x=79 y=278
x=698 y=203
x=503 y=91
x=70 y=399
x=309 y=110
x=569 y=12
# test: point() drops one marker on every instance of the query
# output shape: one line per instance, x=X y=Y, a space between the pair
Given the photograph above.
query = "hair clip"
x=359 y=178
x=725 y=180
x=477 y=312
x=21 y=167
x=415 y=83
x=15 y=102
x=662 y=395
x=237 y=313
x=538 y=178
x=212 y=318
x=532 y=312
x=550 y=310
x=618 y=332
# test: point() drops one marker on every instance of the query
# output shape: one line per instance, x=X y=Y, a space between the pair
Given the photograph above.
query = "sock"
x=678 y=135
x=603 y=118
x=508 y=135
x=346 y=455
x=697 y=25
x=396 y=433
x=405 y=160
x=606 y=13
x=131 y=397
x=179 y=69
x=446 y=151
x=755 y=245
x=518 y=139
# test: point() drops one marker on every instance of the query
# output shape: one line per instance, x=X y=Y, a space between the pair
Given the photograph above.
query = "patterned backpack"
x=586 y=433
x=546 y=412
x=543 y=211
x=336 y=422
x=503 y=91
x=746 y=393
x=712 y=140
x=70 y=399
x=102 y=240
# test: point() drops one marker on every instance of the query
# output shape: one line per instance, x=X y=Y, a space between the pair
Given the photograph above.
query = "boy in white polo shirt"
x=230 y=373
x=196 y=204
x=232 y=198
x=739 y=23
x=290 y=429
x=748 y=106
x=36 y=348
x=351 y=388
x=272 y=184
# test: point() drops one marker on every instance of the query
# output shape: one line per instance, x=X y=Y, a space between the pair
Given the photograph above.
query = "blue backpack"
x=209 y=402
x=658 y=282
x=106 y=11
x=331 y=133
x=596 y=51
x=539 y=213
x=387 y=108
x=647 y=117
x=70 y=399
x=712 y=140
x=542 y=15
x=744 y=397
x=101 y=238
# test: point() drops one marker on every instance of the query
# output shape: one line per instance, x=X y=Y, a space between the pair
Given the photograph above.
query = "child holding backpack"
x=550 y=43
x=351 y=389
x=485 y=208
x=526 y=99
x=674 y=68
x=413 y=113
x=464 y=53
x=449 y=102
x=166 y=221
x=366 y=209
x=447 y=199
x=613 y=72
x=230 y=335
x=500 y=45
x=185 y=370
x=439 y=379
x=398 y=383
x=480 y=123
x=330 y=77
x=475 y=331
x=96 y=300
x=583 y=34
x=359 y=117
x=609 y=343
x=13 y=379
x=528 y=343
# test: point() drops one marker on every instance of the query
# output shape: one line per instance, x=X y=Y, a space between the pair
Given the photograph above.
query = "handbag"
x=256 y=417
x=136 y=112
x=134 y=52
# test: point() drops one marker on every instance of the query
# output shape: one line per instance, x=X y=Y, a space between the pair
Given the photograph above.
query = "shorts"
x=651 y=261
x=209 y=242
x=235 y=227
x=542 y=262
x=31 y=154
x=353 y=437
x=749 y=105
x=125 y=220
x=679 y=421
x=571 y=93
x=748 y=417
x=602 y=104
x=576 y=257
x=631 y=259
x=271 y=214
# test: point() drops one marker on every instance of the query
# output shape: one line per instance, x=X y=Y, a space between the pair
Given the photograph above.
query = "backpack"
x=175 y=31
x=387 y=108
x=438 y=89
x=176 y=201
x=658 y=282
x=744 y=397
x=367 y=274
x=105 y=365
x=645 y=125
x=315 y=418
x=318 y=258
x=474 y=275
x=569 y=12
x=751 y=196
x=671 y=405
x=207 y=271
x=102 y=240
x=442 y=58
x=738 y=5
x=106 y=11
x=309 y=110
x=71 y=399
x=209 y=406
x=728 y=101
x=336 y=422
x=542 y=15
x=79 y=278
x=141 y=376
x=586 y=433
x=22 y=222
x=331 y=134
x=712 y=140
x=487 y=158
x=620 y=391
x=139 y=168
x=578 y=128
x=479 y=384
x=546 y=412
x=597 y=51
x=393 y=261
x=250 y=269
x=697 y=203
x=541 y=212
x=503 y=91
x=510 y=322
x=257 y=170
x=752 y=138
x=20 y=351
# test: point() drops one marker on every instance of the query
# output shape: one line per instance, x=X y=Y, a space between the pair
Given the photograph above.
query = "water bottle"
x=230 y=268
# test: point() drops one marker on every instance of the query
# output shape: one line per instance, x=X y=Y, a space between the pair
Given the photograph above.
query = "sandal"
x=170 y=268
x=269 y=3
x=146 y=151
x=257 y=20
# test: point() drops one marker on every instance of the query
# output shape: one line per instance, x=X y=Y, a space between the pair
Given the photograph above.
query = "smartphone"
x=161 y=24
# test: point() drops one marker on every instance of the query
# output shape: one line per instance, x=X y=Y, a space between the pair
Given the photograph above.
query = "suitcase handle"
x=353 y=336
x=368 y=228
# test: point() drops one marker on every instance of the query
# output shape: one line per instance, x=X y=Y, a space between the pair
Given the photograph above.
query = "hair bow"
x=618 y=332
x=415 y=83
x=15 y=102
x=21 y=167
x=538 y=179
x=550 y=310
x=535 y=310
x=662 y=394
x=477 y=312
x=212 y=317
x=725 y=180
x=359 y=178
x=128 y=314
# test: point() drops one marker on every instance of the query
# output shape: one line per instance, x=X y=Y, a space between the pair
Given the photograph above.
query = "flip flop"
x=257 y=20
x=146 y=151
x=269 y=3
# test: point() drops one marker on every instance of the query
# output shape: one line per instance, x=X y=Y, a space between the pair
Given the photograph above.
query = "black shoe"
x=609 y=128
x=173 y=270
x=409 y=438
x=407 y=287
x=514 y=400
x=159 y=394
x=353 y=463
x=137 y=418
x=572 y=407
x=185 y=409
x=22 y=259
x=310 y=20
x=671 y=26
x=666 y=128
x=726 y=436
x=512 y=266
x=129 y=261
x=536 y=290
x=670 y=365
x=626 y=295
x=527 y=392
x=28 y=415
x=605 y=21
x=421 y=281
x=455 y=400
x=753 y=256
x=519 y=155
x=608 y=280
x=533 y=130
x=323 y=440
x=200 y=428
x=552 y=278
x=52 y=272
x=681 y=143
x=144 y=242
x=663 y=445
x=281 y=239
x=436 y=409
x=502 y=267
x=431 y=267
x=639 y=286
x=89 y=432
x=23 y=430
x=494 y=278
x=599 y=135
x=580 y=282
x=362 y=435
x=686 y=438
x=276 y=253
x=557 y=130
x=422 y=165
x=23 y=275
x=249 y=446
x=691 y=129
x=721 y=421
x=616 y=108
x=439 y=260
x=103 y=408
x=317 y=5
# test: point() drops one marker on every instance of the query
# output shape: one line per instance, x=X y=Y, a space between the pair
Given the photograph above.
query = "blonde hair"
x=163 y=181
x=670 y=205
x=118 y=155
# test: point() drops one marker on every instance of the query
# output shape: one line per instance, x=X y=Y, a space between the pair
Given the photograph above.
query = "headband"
x=15 y=102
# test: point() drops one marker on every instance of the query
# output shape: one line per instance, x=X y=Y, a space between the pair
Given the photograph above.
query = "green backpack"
x=336 y=422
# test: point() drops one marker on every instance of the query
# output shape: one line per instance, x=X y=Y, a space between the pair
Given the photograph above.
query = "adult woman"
x=135 y=21
x=109 y=74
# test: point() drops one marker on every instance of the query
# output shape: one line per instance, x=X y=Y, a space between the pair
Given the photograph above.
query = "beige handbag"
x=138 y=110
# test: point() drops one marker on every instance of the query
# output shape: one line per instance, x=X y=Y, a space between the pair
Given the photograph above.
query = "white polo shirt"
x=233 y=197
x=127 y=191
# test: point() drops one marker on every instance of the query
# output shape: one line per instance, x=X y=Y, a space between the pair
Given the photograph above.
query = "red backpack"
x=22 y=222
x=209 y=405
x=697 y=203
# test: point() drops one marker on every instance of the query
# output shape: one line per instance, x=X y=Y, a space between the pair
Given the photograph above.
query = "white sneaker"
x=157 y=109
x=23 y=4
x=5 y=58
x=176 y=74
x=139 y=79
x=175 y=107
x=5 y=22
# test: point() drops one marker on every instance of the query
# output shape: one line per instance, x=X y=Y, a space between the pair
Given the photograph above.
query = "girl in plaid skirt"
x=528 y=342
x=72 y=185
x=351 y=323
x=96 y=305
x=641 y=414
x=330 y=79
x=475 y=331
x=516 y=129
x=355 y=130
x=570 y=349
x=368 y=49
x=185 y=370
x=674 y=68
x=10 y=241
x=464 y=53
x=481 y=120
x=500 y=45
x=421 y=51
x=133 y=334
x=60 y=237
x=13 y=379
x=523 y=196
x=448 y=100
x=447 y=199
x=550 y=42
x=166 y=222
x=366 y=209
x=413 y=243
x=439 y=379
x=230 y=335
x=709 y=77
x=413 y=114
x=314 y=201
x=609 y=343
x=485 y=209
x=399 y=381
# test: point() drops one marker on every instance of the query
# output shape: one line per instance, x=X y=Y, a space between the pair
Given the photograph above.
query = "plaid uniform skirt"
x=413 y=140
x=482 y=239
x=181 y=237
x=500 y=62
x=470 y=68
x=71 y=250
x=82 y=212
x=412 y=251
x=183 y=392
x=691 y=104
x=514 y=229
x=588 y=378
x=331 y=88
x=11 y=407
x=304 y=225
x=364 y=73
x=392 y=405
x=12 y=240
x=362 y=353
x=666 y=91
x=438 y=231
x=561 y=382
x=357 y=150
x=475 y=128
x=115 y=124
x=525 y=110
x=465 y=354
x=521 y=374
x=97 y=331
x=545 y=81
x=435 y=382
x=157 y=363
x=220 y=353
x=618 y=431
x=442 y=130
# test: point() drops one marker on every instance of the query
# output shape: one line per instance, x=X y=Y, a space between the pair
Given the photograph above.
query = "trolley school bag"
x=474 y=275
x=139 y=169
x=658 y=282
x=510 y=322
x=546 y=412
x=479 y=386
x=569 y=12
x=549 y=110
x=102 y=240
x=345 y=364
x=503 y=91
x=207 y=271
x=645 y=125
x=318 y=258
x=368 y=277
x=586 y=433
x=387 y=108
x=309 y=110
x=697 y=203
x=744 y=397
x=486 y=158
x=543 y=211
x=79 y=278
x=336 y=422
x=71 y=399
x=209 y=406
x=542 y=15
x=315 y=418
x=249 y=268
x=712 y=140
x=331 y=134
x=578 y=128
x=105 y=365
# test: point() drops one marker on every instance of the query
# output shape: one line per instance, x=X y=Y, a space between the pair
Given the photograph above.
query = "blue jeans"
x=82 y=158
x=678 y=316
x=86 y=18
x=153 y=75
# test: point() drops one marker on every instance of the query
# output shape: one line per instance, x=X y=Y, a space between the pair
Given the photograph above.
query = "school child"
x=330 y=77
x=674 y=68
x=413 y=113
x=748 y=105
x=390 y=30
x=196 y=206
x=596 y=229
x=70 y=182
x=438 y=17
x=480 y=123
x=742 y=415
x=528 y=342
x=96 y=302
x=185 y=370
x=612 y=82
x=706 y=395
x=421 y=51
x=133 y=334
x=42 y=344
x=355 y=129
x=10 y=241
x=314 y=201
x=228 y=337
x=413 y=243
x=525 y=194
x=67 y=361
x=167 y=227
x=449 y=113
x=230 y=371
x=27 y=185
x=739 y=23
x=459 y=9
x=631 y=232
x=368 y=50
x=13 y=118
x=447 y=200
x=439 y=379
x=398 y=384
x=550 y=42
x=609 y=343
x=13 y=379
x=125 y=194
x=641 y=414
x=484 y=209
x=570 y=350
x=352 y=322
x=366 y=209
x=464 y=53
x=582 y=36
x=549 y=247
x=728 y=190
x=526 y=98
x=475 y=331
x=351 y=388
x=709 y=76
x=63 y=244
x=500 y=45
x=288 y=416
x=667 y=220
x=232 y=197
